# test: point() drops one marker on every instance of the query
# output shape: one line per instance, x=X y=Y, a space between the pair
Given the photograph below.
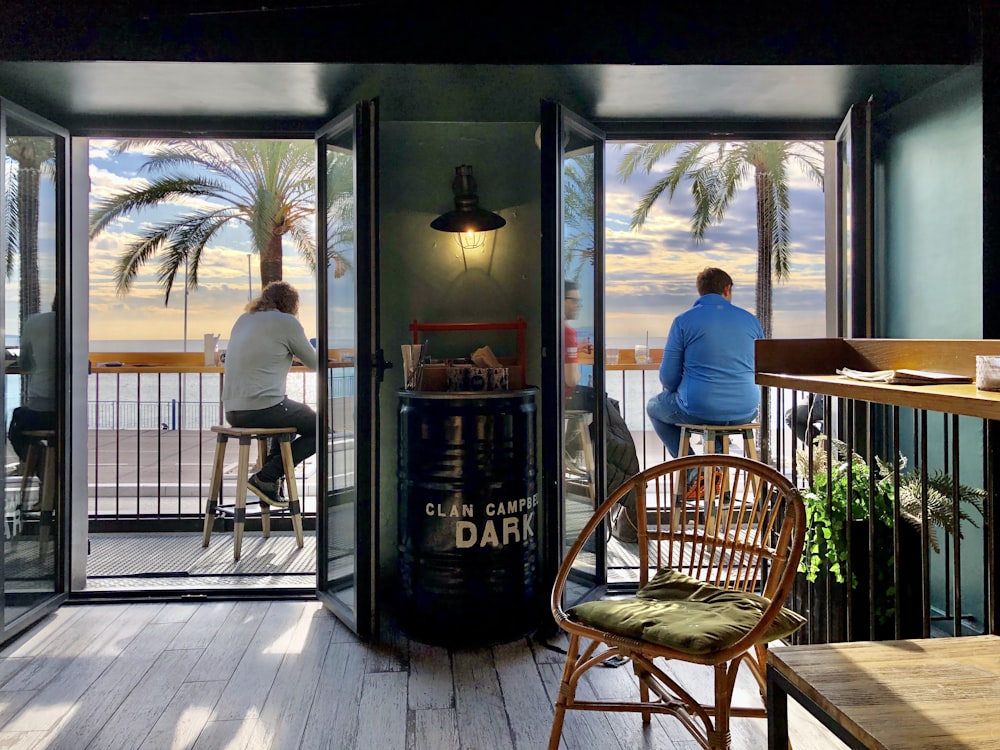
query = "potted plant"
x=827 y=550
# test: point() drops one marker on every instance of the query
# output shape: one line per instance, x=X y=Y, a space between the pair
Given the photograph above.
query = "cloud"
x=649 y=274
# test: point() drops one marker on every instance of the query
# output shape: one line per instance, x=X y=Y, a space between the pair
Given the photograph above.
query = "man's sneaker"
x=266 y=491
x=696 y=490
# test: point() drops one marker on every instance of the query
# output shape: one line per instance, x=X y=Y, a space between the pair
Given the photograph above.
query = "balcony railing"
x=151 y=447
x=151 y=450
x=892 y=469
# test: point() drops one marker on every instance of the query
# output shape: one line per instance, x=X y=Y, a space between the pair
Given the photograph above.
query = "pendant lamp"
x=468 y=221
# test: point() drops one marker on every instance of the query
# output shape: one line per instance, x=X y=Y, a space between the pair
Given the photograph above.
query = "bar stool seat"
x=41 y=441
x=710 y=432
x=246 y=436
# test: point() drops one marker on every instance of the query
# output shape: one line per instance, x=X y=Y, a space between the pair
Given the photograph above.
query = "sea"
x=168 y=401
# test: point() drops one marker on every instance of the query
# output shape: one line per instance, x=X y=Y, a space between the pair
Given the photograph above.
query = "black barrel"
x=468 y=516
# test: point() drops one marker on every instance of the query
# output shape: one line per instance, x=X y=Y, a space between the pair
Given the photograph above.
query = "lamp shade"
x=467 y=216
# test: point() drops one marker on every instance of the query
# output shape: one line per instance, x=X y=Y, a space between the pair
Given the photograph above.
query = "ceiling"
x=93 y=96
x=243 y=65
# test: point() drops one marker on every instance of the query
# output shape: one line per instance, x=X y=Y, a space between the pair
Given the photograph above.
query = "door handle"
x=380 y=364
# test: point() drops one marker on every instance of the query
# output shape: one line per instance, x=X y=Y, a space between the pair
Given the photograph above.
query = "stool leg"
x=240 y=512
x=685 y=443
x=293 y=489
x=261 y=454
x=726 y=445
x=48 y=491
x=679 y=509
x=215 y=485
x=711 y=507
x=265 y=520
x=265 y=509
x=30 y=463
x=588 y=461
x=750 y=450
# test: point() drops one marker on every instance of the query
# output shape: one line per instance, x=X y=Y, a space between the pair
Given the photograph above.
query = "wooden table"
x=927 y=693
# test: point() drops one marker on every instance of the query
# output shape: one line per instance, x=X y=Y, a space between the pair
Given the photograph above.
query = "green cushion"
x=680 y=612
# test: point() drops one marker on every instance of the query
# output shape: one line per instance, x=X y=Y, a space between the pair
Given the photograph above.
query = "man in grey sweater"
x=258 y=357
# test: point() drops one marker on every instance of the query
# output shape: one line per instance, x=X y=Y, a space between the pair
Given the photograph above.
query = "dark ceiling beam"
x=829 y=32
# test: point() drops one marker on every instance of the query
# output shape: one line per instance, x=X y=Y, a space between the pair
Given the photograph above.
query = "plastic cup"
x=611 y=357
x=641 y=354
x=411 y=364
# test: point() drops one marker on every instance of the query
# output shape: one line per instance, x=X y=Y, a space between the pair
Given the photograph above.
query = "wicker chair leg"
x=720 y=739
x=566 y=692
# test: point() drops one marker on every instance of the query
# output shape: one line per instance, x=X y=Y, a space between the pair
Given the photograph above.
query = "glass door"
x=855 y=224
x=33 y=567
x=573 y=332
x=349 y=376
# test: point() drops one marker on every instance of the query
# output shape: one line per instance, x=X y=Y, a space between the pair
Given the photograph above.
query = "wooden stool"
x=578 y=426
x=41 y=439
x=709 y=433
x=246 y=436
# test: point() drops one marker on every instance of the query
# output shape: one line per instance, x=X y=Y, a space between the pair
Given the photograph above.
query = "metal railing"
x=151 y=450
x=896 y=501
x=151 y=447
x=915 y=570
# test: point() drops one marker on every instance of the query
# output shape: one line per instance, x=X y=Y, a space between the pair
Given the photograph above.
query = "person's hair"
x=278 y=295
x=713 y=281
x=569 y=286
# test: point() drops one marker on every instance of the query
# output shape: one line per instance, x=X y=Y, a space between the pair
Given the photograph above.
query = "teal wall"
x=422 y=273
x=930 y=280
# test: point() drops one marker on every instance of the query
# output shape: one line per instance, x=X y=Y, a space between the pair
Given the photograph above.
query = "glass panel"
x=579 y=309
x=32 y=491
x=846 y=218
x=341 y=280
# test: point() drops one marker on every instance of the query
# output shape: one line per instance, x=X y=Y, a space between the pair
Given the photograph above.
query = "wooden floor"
x=287 y=674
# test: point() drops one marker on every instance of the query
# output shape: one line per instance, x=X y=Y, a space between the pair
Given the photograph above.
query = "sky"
x=649 y=273
x=225 y=282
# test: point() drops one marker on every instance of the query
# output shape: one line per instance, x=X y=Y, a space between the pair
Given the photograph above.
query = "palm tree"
x=33 y=154
x=578 y=214
x=716 y=171
x=268 y=186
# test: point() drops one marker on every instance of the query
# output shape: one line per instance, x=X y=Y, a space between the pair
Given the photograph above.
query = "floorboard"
x=256 y=675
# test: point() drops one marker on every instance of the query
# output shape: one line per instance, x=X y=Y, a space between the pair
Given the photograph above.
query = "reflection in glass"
x=846 y=326
x=341 y=494
x=31 y=499
x=578 y=201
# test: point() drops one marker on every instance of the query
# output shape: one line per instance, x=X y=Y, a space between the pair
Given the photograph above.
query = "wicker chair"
x=714 y=570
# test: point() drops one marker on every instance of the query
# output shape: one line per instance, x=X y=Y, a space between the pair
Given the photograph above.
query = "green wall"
x=422 y=272
x=930 y=280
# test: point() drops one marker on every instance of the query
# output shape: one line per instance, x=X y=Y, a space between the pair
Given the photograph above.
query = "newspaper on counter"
x=903 y=377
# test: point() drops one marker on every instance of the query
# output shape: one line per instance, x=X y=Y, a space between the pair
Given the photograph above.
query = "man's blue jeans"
x=666 y=417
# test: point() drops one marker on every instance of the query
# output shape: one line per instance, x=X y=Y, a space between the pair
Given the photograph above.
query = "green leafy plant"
x=826 y=549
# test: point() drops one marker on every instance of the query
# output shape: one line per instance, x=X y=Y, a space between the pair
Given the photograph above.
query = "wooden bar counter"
x=184 y=362
x=811 y=365
x=939 y=693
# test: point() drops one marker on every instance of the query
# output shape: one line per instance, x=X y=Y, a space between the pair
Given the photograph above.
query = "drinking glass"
x=641 y=354
x=611 y=357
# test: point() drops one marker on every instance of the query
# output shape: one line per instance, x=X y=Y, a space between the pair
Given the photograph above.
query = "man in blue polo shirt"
x=707 y=370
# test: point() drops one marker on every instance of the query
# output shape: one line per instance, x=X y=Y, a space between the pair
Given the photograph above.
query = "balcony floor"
x=287 y=674
x=177 y=560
